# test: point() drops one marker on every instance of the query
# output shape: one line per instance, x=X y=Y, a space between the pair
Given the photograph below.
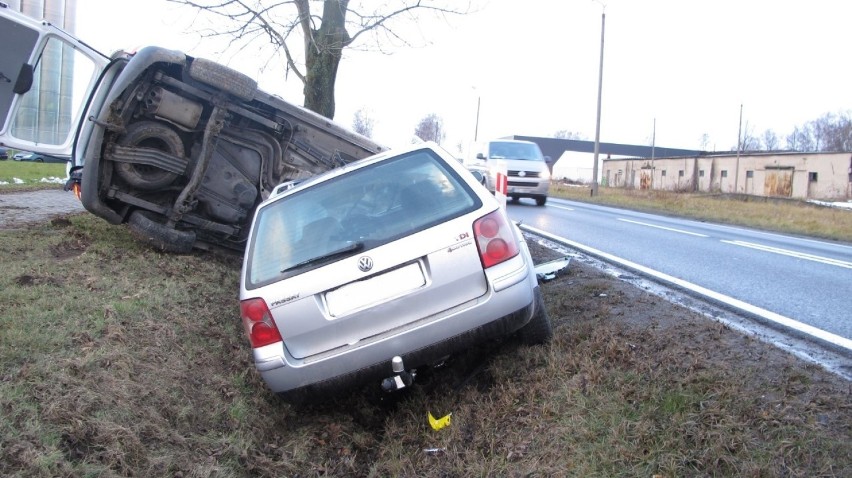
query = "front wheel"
x=541 y=200
x=147 y=227
x=539 y=329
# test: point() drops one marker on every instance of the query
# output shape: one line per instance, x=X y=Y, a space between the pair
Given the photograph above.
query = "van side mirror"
x=480 y=156
x=547 y=159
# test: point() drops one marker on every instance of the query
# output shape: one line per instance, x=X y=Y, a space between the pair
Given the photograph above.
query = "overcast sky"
x=533 y=67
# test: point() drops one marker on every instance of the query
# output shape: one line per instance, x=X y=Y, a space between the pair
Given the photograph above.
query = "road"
x=806 y=280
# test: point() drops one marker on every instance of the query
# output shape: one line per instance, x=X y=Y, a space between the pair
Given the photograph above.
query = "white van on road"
x=526 y=168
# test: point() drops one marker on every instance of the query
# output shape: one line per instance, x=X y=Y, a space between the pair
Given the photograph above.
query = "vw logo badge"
x=522 y=173
x=365 y=263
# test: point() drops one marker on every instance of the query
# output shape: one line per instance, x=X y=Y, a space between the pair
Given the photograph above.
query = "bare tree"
x=430 y=128
x=362 y=123
x=770 y=140
x=311 y=42
x=748 y=141
x=565 y=134
x=830 y=132
x=801 y=139
x=834 y=132
x=705 y=141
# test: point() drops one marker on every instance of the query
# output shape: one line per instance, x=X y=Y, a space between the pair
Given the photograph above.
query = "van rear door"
x=46 y=77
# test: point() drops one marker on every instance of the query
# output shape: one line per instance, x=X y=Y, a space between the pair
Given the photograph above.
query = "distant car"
x=379 y=268
x=24 y=156
x=37 y=158
x=4 y=154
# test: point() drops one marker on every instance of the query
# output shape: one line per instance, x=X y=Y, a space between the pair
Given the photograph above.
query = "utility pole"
x=739 y=146
x=653 y=144
x=594 y=191
x=476 y=129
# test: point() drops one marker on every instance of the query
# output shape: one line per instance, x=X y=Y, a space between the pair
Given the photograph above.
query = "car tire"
x=159 y=235
x=538 y=330
x=149 y=134
x=541 y=200
x=224 y=78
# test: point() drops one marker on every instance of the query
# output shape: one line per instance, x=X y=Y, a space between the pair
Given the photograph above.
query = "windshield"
x=514 y=150
x=356 y=211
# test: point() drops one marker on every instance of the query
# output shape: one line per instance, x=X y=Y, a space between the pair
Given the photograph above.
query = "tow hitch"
x=401 y=379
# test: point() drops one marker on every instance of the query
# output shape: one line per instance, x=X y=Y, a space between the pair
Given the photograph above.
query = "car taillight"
x=494 y=239
x=258 y=323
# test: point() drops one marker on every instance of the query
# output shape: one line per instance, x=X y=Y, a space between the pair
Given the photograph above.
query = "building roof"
x=554 y=148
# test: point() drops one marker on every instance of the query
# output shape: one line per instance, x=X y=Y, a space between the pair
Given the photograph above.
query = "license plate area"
x=364 y=293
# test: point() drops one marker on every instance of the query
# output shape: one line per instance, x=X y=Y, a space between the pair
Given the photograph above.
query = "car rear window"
x=354 y=212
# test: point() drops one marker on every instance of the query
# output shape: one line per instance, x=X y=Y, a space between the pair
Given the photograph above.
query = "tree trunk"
x=323 y=51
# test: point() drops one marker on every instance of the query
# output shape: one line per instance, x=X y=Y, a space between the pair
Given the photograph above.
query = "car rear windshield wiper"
x=349 y=248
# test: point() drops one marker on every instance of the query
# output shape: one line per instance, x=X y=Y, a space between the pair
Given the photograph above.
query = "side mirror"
x=480 y=156
x=479 y=176
x=547 y=159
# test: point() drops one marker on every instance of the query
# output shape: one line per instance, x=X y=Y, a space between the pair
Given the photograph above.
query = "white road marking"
x=662 y=227
x=798 y=255
x=736 y=303
x=561 y=207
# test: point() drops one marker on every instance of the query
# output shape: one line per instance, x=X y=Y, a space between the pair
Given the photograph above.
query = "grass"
x=119 y=360
x=19 y=175
x=771 y=214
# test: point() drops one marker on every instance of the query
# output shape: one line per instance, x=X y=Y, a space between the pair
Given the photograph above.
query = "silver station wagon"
x=378 y=268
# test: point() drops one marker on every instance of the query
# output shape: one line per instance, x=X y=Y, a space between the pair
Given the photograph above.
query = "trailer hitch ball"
x=397 y=365
x=401 y=379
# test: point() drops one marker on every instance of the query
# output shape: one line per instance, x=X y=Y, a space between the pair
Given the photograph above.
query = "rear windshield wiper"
x=349 y=248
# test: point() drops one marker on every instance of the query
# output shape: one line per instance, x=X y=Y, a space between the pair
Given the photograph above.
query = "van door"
x=46 y=77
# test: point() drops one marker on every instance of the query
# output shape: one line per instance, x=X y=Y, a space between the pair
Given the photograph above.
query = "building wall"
x=61 y=13
x=795 y=175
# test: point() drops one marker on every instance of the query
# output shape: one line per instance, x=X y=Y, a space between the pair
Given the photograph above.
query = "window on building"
x=680 y=173
x=663 y=173
x=749 y=174
x=700 y=173
x=724 y=173
x=812 y=177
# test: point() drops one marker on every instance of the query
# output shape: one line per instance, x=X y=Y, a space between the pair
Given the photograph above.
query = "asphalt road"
x=806 y=280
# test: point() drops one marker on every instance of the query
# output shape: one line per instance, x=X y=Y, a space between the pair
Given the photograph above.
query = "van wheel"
x=541 y=200
x=143 y=225
x=224 y=78
x=539 y=329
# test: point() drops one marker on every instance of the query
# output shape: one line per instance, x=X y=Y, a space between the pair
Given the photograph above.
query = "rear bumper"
x=429 y=355
x=425 y=344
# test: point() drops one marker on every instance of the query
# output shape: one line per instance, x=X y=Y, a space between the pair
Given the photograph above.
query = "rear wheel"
x=541 y=200
x=224 y=78
x=539 y=329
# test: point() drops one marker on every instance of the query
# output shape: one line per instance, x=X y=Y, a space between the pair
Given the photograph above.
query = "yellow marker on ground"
x=439 y=423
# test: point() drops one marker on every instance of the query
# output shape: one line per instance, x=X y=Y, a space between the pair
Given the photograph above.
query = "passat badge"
x=365 y=263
